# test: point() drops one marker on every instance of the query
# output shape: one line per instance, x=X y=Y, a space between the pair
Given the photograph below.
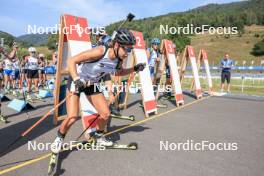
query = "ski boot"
x=100 y=140
x=3 y=119
x=114 y=111
x=14 y=93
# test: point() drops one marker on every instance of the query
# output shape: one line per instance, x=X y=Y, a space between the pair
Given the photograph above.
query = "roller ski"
x=116 y=114
x=99 y=140
x=123 y=117
x=95 y=143
x=56 y=149
x=130 y=146
x=53 y=163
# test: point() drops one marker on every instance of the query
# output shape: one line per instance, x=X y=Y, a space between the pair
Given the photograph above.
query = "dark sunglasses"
x=127 y=49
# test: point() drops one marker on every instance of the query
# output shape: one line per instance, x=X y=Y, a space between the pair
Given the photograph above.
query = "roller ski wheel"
x=131 y=117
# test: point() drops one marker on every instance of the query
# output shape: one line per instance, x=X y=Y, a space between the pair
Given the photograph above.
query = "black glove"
x=79 y=85
x=139 y=67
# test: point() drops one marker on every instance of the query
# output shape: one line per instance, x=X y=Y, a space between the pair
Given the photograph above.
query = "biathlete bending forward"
x=92 y=66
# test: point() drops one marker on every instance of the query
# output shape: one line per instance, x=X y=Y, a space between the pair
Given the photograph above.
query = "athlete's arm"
x=148 y=54
x=137 y=68
x=222 y=64
x=86 y=56
x=12 y=54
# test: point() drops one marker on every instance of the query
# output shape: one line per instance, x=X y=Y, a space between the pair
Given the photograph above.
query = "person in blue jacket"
x=226 y=66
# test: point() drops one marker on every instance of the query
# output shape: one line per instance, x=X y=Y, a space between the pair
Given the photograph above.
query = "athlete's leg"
x=72 y=104
x=36 y=81
x=29 y=82
x=228 y=81
x=13 y=80
x=6 y=79
x=20 y=80
x=222 y=81
x=45 y=78
x=72 y=113
x=100 y=104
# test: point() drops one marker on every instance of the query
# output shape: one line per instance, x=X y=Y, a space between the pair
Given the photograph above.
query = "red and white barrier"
x=170 y=55
x=204 y=57
x=139 y=51
x=192 y=58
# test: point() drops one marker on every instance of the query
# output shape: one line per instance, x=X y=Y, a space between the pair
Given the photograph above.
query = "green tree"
x=21 y=52
x=52 y=41
x=258 y=49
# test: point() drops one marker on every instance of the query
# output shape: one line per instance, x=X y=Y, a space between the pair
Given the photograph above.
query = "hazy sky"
x=15 y=15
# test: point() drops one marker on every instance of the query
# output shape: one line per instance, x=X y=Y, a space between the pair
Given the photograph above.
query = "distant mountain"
x=236 y=14
x=35 y=39
x=9 y=39
x=25 y=40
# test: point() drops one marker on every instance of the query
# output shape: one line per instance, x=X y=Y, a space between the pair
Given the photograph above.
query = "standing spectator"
x=24 y=69
x=2 y=118
x=16 y=76
x=7 y=66
x=42 y=65
x=55 y=58
x=226 y=65
x=153 y=55
x=32 y=74
x=1 y=75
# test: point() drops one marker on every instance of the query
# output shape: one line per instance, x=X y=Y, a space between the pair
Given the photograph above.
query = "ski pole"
x=87 y=127
x=129 y=17
x=34 y=125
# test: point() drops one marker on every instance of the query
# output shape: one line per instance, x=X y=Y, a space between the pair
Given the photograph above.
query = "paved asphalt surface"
x=233 y=119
